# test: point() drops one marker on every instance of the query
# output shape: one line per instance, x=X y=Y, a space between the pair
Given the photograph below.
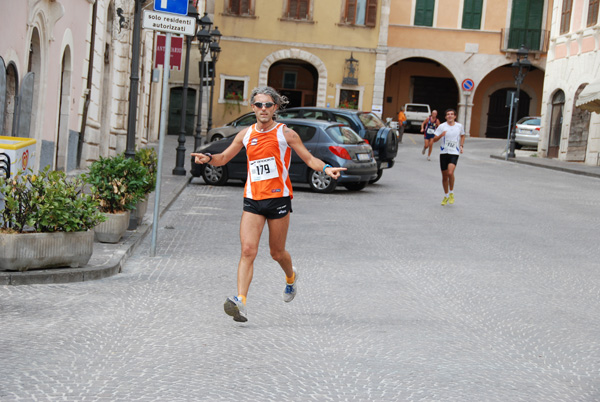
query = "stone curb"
x=584 y=171
x=101 y=269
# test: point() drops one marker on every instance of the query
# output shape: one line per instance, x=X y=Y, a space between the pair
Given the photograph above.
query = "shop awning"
x=589 y=98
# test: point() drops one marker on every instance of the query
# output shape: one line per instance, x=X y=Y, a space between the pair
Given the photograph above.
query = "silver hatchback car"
x=527 y=132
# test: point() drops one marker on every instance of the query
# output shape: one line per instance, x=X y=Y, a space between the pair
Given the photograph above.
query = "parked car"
x=233 y=127
x=527 y=132
x=416 y=114
x=371 y=128
x=333 y=143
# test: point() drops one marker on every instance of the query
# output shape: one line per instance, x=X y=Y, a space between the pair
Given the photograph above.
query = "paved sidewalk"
x=528 y=158
x=108 y=259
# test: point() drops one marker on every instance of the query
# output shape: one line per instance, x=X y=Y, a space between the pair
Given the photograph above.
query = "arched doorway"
x=419 y=80
x=295 y=79
x=578 y=133
x=34 y=66
x=499 y=112
x=10 y=106
x=556 y=120
x=62 y=136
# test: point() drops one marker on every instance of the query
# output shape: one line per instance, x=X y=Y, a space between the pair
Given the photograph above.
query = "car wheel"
x=379 y=174
x=319 y=182
x=215 y=175
x=356 y=186
x=216 y=137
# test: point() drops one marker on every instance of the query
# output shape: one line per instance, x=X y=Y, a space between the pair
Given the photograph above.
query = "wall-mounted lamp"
x=350 y=71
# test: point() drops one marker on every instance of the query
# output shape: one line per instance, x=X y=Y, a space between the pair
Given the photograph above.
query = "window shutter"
x=371 y=18
x=592 y=18
x=350 y=16
x=472 y=14
x=565 y=18
x=424 y=12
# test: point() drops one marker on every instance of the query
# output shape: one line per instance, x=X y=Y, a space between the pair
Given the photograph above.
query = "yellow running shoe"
x=445 y=201
x=451 y=198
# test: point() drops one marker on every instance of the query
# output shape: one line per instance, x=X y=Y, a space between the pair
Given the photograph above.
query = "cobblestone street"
x=495 y=298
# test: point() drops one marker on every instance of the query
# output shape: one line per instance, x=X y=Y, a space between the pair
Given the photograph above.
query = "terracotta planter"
x=24 y=251
x=137 y=215
x=113 y=228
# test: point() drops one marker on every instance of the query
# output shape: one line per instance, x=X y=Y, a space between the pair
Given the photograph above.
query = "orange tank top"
x=269 y=157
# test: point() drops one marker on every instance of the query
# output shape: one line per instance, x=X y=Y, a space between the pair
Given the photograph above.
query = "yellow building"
x=316 y=53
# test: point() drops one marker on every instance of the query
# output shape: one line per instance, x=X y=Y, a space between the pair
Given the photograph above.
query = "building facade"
x=458 y=54
x=569 y=132
x=66 y=72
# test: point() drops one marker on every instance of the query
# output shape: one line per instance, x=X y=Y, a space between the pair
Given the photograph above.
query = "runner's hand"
x=201 y=158
x=334 y=172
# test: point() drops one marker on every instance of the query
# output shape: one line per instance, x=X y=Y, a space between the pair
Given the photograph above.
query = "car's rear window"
x=532 y=122
x=306 y=133
x=344 y=135
x=417 y=108
x=371 y=121
x=285 y=114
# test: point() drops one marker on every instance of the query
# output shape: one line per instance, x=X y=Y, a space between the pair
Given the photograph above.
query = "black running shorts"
x=447 y=159
x=272 y=208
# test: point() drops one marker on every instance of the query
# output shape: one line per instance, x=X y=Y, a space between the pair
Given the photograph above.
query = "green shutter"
x=424 y=12
x=526 y=24
x=472 y=14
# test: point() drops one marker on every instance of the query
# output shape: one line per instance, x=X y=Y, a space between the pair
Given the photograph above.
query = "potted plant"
x=47 y=221
x=118 y=183
x=148 y=159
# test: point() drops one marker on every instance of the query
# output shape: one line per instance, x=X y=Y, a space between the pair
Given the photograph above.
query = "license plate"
x=363 y=157
x=384 y=165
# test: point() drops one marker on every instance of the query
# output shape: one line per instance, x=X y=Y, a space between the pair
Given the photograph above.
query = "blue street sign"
x=171 y=6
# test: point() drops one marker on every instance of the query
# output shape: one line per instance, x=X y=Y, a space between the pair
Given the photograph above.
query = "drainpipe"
x=88 y=90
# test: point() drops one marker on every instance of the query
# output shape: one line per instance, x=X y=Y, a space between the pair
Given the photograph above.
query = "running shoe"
x=445 y=201
x=451 y=198
x=423 y=151
x=290 y=290
x=236 y=308
x=428 y=158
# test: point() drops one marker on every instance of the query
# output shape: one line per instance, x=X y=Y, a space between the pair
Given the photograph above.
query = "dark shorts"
x=447 y=159
x=429 y=136
x=272 y=208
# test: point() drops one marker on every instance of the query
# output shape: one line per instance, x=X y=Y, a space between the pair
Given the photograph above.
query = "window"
x=289 y=79
x=233 y=89
x=526 y=24
x=298 y=9
x=361 y=12
x=306 y=133
x=472 y=14
x=424 y=12
x=565 y=17
x=592 y=18
x=348 y=99
x=239 y=7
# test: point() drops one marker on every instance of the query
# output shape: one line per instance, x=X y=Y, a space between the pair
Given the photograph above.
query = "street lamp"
x=204 y=41
x=521 y=66
x=215 y=49
x=179 y=170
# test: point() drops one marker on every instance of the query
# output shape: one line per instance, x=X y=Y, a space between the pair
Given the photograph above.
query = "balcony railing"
x=536 y=40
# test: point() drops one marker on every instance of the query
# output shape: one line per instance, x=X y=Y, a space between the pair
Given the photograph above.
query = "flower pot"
x=137 y=215
x=111 y=230
x=24 y=251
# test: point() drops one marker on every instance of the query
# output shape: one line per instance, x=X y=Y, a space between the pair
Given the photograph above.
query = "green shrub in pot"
x=148 y=159
x=47 y=202
x=118 y=183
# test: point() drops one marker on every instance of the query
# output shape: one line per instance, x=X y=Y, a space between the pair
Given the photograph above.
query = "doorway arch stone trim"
x=293 y=53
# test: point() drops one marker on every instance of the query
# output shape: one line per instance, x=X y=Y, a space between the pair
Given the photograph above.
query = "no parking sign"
x=467 y=84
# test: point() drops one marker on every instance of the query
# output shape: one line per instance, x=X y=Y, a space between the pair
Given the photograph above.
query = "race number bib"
x=452 y=144
x=263 y=169
x=431 y=130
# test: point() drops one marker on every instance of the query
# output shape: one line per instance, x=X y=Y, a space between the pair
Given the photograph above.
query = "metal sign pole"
x=510 y=122
x=161 y=139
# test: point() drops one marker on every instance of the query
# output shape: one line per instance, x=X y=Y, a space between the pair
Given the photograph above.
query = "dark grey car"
x=333 y=143
x=367 y=125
